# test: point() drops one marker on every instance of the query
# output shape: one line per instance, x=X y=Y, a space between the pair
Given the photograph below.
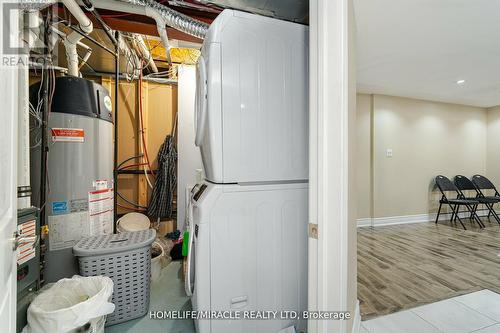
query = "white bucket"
x=133 y=222
x=156 y=262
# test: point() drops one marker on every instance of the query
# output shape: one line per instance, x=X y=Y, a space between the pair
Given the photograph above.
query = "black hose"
x=130 y=202
x=128 y=159
x=160 y=205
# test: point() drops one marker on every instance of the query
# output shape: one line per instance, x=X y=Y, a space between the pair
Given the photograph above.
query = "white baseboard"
x=356 y=319
x=381 y=221
x=406 y=219
x=366 y=222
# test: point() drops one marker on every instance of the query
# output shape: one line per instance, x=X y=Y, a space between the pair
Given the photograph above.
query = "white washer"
x=252 y=99
x=250 y=253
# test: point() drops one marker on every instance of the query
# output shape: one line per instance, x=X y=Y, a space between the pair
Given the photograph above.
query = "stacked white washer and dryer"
x=248 y=220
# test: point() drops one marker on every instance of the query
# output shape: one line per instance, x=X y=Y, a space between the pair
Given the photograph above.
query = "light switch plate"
x=388 y=152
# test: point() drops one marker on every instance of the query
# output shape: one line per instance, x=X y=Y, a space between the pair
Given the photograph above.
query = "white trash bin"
x=79 y=304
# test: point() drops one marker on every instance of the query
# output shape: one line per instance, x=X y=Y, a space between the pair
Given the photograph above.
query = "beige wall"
x=363 y=151
x=493 y=147
x=427 y=138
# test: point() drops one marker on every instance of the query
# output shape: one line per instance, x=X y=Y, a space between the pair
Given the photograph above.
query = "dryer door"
x=200 y=112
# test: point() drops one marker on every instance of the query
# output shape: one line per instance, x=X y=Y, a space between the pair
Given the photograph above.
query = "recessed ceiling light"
x=460 y=81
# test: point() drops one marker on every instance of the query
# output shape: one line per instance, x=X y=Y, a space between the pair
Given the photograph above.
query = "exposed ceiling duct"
x=177 y=20
x=74 y=38
x=163 y=16
x=172 y=17
x=155 y=10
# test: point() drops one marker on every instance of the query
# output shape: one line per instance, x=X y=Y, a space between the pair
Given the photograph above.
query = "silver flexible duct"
x=173 y=18
x=29 y=5
x=163 y=15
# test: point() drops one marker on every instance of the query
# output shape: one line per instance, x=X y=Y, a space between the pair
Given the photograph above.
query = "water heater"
x=79 y=199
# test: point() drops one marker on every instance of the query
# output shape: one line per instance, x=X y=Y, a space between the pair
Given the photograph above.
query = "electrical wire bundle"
x=165 y=186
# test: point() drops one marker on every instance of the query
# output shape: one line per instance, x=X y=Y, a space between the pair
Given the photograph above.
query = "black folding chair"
x=445 y=185
x=464 y=184
x=482 y=185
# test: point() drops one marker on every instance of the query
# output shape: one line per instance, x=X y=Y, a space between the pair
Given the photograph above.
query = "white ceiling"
x=421 y=48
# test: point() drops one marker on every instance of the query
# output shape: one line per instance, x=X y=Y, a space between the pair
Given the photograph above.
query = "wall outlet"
x=388 y=153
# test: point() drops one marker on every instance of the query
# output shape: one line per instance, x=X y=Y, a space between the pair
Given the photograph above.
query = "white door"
x=8 y=176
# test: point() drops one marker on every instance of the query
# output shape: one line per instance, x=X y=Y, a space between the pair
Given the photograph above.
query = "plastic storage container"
x=126 y=259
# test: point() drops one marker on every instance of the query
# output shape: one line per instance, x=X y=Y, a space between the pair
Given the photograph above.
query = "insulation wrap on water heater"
x=79 y=199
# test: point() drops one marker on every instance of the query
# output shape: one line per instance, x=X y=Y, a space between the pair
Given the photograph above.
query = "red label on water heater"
x=68 y=135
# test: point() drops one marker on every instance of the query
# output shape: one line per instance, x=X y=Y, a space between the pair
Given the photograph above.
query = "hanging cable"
x=128 y=160
x=132 y=209
x=132 y=166
x=130 y=202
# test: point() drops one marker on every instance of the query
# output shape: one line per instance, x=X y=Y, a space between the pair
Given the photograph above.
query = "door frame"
x=8 y=215
x=332 y=229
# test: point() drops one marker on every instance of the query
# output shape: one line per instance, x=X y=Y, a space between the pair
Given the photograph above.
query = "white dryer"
x=249 y=252
x=252 y=99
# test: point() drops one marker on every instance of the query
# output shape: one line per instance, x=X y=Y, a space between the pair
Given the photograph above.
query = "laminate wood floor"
x=404 y=266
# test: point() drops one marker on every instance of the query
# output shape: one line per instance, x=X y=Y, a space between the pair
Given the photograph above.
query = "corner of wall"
x=493 y=144
x=356 y=319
